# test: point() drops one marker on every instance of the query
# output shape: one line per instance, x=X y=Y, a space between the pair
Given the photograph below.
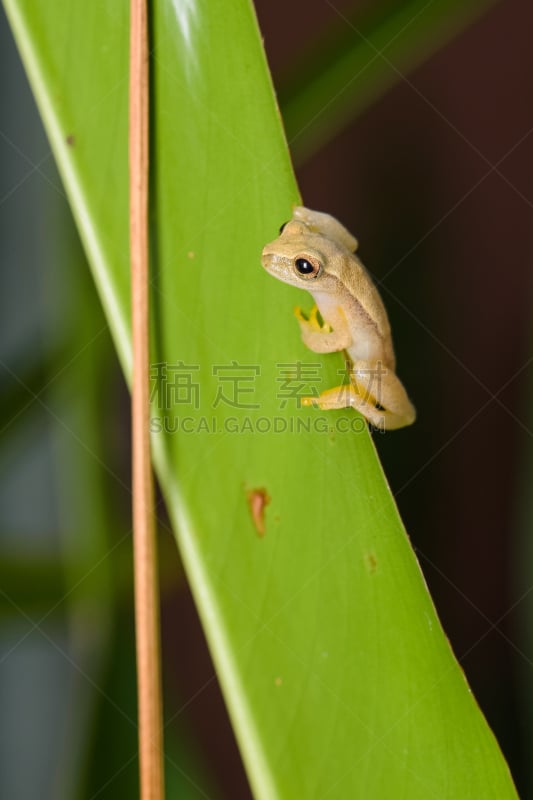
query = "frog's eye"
x=282 y=228
x=307 y=267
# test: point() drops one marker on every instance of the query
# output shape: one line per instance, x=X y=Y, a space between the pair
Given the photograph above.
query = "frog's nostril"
x=267 y=258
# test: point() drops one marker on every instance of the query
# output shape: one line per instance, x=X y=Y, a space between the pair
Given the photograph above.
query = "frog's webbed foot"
x=319 y=336
x=311 y=323
x=375 y=392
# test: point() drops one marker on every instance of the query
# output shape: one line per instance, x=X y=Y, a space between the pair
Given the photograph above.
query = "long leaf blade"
x=337 y=675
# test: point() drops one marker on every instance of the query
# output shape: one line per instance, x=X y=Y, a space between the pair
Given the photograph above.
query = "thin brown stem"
x=144 y=540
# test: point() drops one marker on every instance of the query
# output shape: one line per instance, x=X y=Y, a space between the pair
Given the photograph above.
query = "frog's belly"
x=366 y=347
x=366 y=344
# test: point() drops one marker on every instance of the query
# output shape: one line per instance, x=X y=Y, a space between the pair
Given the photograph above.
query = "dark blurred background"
x=435 y=179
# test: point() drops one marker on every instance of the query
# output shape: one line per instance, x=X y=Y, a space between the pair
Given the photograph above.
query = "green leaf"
x=338 y=677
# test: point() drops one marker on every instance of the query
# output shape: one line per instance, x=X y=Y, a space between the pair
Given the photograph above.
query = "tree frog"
x=315 y=252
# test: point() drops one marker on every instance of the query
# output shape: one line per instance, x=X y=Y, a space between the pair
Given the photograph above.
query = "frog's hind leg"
x=375 y=392
x=344 y=397
x=383 y=393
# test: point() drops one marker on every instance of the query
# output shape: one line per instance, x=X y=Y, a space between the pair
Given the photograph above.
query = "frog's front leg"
x=375 y=391
x=322 y=338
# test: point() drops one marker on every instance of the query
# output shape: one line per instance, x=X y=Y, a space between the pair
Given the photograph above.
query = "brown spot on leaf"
x=258 y=499
x=70 y=140
x=371 y=562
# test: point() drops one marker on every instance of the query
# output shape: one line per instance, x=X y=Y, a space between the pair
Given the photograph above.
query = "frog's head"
x=303 y=258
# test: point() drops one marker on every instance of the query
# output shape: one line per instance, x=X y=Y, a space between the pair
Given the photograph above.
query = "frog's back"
x=368 y=306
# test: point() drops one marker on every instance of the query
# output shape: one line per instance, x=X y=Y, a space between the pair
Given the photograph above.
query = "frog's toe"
x=317 y=322
x=299 y=314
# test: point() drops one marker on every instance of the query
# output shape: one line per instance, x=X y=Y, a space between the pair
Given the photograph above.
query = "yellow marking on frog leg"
x=319 y=338
x=299 y=314
x=313 y=318
x=339 y=397
x=315 y=322
x=346 y=396
x=375 y=392
x=311 y=322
